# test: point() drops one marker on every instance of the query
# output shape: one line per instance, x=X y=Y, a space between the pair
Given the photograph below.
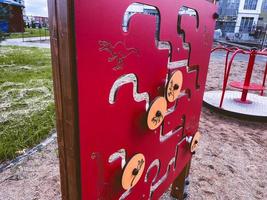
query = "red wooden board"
x=120 y=73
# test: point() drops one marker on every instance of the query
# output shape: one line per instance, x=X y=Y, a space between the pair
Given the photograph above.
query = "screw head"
x=176 y=87
x=158 y=114
x=93 y=156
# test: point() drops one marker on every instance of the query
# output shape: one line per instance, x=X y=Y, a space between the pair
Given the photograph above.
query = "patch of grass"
x=38 y=59
x=19 y=134
x=27 y=112
x=31 y=32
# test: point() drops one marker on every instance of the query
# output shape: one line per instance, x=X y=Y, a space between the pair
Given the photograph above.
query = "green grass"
x=21 y=57
x=30 y=32
x=19 y=134
x=27 y=112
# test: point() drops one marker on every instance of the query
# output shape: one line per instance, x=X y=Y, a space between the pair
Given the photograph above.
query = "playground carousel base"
x=256 y=109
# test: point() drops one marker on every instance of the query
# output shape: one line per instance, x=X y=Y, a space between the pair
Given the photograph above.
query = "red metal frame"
x=111 y=121
x=264 y=79
x=246 y=85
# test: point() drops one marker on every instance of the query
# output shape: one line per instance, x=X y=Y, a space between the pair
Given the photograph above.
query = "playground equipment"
x=242 y=103
x=129 y=91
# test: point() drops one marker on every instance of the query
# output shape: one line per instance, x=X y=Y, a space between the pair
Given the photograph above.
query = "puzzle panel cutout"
x=141 y=76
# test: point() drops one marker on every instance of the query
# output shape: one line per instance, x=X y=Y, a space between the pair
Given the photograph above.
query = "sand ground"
x=230 y=164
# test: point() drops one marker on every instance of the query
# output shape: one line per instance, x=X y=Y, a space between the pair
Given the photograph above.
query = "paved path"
x=28 y=42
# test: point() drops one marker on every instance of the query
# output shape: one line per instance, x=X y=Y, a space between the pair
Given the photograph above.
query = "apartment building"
x=248 y=15
x=262 y=22
x=239 y=16
x=228 y=12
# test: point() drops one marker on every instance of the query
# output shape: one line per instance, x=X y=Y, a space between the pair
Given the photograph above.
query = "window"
x=250 y=4
x=228 y=7
x=246 y=24
x=264 y=5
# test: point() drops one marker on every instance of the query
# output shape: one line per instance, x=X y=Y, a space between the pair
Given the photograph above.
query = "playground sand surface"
x=231 y=162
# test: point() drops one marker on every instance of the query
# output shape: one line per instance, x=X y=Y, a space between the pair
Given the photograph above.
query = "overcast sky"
x=36 y=7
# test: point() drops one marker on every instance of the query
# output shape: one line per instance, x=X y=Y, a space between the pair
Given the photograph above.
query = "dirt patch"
x=231 y=162
x=36 y=178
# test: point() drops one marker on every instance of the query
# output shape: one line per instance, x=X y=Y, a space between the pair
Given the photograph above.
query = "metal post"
x=248 y=75
x=40 y=33
x=264 y=79
x=263 y=41
x=22 y=33
x=227 y=75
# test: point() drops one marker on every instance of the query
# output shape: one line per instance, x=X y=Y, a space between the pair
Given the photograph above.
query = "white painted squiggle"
x=155 y=163
x=154 y=185
x=123 y=80
x=125 y=194
x=164 y=177
x=177 y=64
x=163 y=138
x=119 y=154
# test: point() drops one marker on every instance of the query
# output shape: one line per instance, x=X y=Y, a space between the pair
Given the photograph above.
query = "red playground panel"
x=141 y=71
x=235 y=102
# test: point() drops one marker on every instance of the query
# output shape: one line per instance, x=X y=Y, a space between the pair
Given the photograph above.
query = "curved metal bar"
x=226 y=57
x=264 y=78
x=220 y=48
x=227 y=74
x=261 y=53
x=232 y=49
x=226 y=64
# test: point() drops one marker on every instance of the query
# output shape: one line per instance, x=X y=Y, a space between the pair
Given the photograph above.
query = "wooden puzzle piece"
x=174 y=86
x=156 y=113
x=195 y=142
x=133 y=171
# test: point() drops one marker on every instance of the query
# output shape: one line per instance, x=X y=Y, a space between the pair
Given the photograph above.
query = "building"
x=11 y=17
x=36 y=21
x=262 y=22
x=228 y=12
x=239 y=16
x=248 y=15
